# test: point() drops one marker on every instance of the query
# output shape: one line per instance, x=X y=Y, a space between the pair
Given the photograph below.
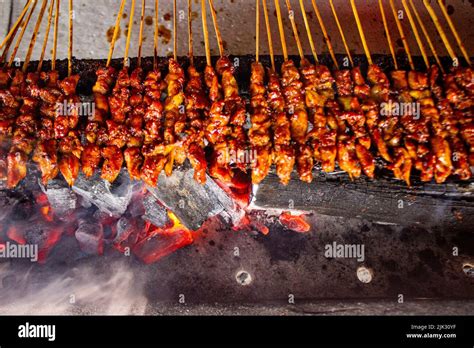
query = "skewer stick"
x=341 y=32
x=291 y=15
x=440 y=30
x=205 y=32
x=116 y=29
x=454 y=31
x=155 y=38
x=17 y=24
x=34 y=36
x=190 y=34
x=175 y=42
x=55 y=39
x=11 y=39
x=46 y=35
x=269 y=34
x=257 y=29
x=387 y=33
x=129 y=34
x=140 y=36
x=361 y=32
x=280 y=28
x=69 y=55
x=216 y=28
x=327 y=40
x=308 y=32
x=402 y=35
x=416 y=33
x=426 y=35
x=22 y=32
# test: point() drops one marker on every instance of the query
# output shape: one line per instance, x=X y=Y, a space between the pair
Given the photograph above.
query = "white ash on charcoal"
x=112 y=199
x=155 y=213
x=90 y=235
x=126 y=226
x=60 y=196
x=192 y=202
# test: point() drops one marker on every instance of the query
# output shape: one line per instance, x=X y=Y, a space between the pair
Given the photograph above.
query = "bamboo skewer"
x=116 y=29
x=454 y=31
x=291 y=15
x=281 y=30
x=416 y=33
x=308 y=32
x=34 y=35
x=175 y=37
x=140 y=36
x=440 y=30
x=426 y=35
x=155 y=38
x=71 y=31
x=190 y=34
x=22 y=32
x=257 y=29
x=269 y=34
x=17 y=24
x=402 y=35
x=205 y=32
x=387 y=33
x=361 y=32
x=129 y=34
x=46 y=35
x=10 y=40
x=216 y=28
x=55 y=38
x=341 y=32
x=327 y=40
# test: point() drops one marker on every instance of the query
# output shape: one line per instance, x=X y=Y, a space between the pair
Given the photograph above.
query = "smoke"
x=86 y=289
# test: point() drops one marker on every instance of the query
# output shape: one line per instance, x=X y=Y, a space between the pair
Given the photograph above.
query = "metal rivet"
x=365 y=274
x=243 y=277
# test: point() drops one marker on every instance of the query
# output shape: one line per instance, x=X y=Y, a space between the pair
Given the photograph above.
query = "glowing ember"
x=295 y=223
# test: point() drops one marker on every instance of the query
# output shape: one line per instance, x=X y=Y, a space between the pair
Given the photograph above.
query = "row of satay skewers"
x=297 y=118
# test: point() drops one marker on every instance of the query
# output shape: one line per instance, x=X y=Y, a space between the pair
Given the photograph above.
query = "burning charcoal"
x=7 y=203
x=90 y=236
x=192 y=202
x=112 y=199
x=60 y=196
x=126 y=226
x=155 y=213
x=161 y=244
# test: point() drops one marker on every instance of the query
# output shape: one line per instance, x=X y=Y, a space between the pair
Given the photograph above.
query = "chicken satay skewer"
x=120 y=109
x=116 y=31
x=34 y=36
x=230 y=148
x=416 y=33
x=46 y=35
x=341 y=32
x=55 y=35
x=154 y=158
x=318 y=84
x=140 y=36
x=426 y=35
x=440 y=30
x=283 y=151
x=387 y=33
x=17 y=24
x=327 y=40
x=197 y=107
x=454 y=31
x=292 y=84
x=259 y=133
x=22 y=32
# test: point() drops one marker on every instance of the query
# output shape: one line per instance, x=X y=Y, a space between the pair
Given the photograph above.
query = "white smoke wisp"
x=83 y=290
